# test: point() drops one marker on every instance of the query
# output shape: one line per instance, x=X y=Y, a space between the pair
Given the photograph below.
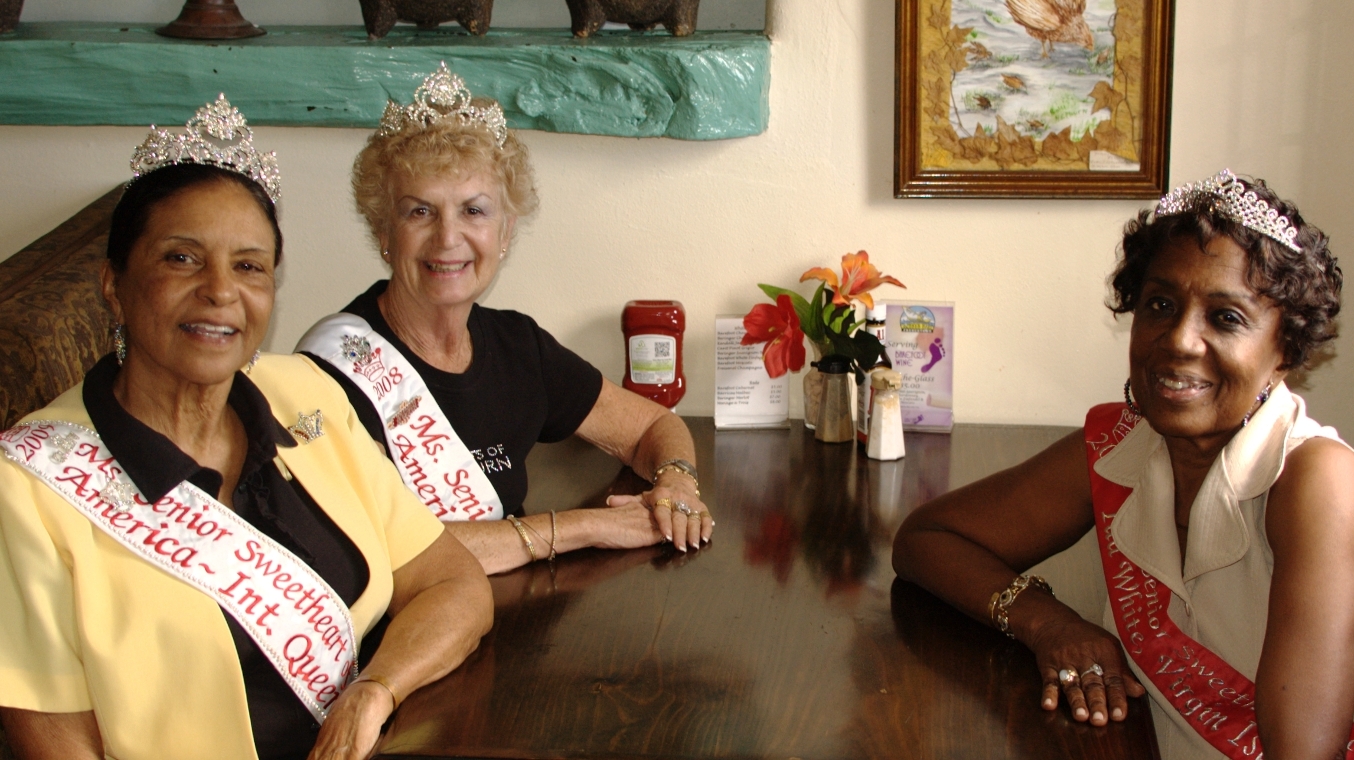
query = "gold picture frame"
x=1026 y=99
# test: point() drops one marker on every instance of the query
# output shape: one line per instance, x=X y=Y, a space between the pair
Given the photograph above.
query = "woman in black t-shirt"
x=441 y=185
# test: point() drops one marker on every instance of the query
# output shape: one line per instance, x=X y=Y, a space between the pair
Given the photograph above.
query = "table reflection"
x=786 y=637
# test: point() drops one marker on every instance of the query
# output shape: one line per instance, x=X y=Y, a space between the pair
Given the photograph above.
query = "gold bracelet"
x=667 y=466
x=383 y=682
x=542 y=537
x=521 y=531
x=553 y=534
x=999 y=608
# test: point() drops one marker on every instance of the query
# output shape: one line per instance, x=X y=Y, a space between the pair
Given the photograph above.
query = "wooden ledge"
x=709 y=86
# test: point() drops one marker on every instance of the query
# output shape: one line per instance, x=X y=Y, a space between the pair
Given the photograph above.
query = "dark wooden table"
x=787 y=637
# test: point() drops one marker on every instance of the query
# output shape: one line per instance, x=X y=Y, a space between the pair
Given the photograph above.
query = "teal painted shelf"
x=709 y=86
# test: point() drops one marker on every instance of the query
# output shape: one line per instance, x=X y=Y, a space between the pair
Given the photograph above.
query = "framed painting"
x=1032 y=98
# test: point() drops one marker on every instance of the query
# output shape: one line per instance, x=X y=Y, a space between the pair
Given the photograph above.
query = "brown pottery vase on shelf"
x=210 y=20
x=9 y=14
x=677 y=16
x=380 y=16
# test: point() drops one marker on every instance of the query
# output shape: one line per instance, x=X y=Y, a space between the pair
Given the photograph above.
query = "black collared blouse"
x=273 y=503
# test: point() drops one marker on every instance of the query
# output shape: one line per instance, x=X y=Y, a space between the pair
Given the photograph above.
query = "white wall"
x=1259 y=87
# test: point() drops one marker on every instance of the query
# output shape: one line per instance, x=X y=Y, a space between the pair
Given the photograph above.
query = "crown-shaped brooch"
x=443 y=96
x=216 y=135
x=1227 y=195
x=308 y=427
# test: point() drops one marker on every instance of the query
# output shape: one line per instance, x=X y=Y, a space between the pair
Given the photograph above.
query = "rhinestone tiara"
x=1227 y=195
x=441 y=97
x=216 y=135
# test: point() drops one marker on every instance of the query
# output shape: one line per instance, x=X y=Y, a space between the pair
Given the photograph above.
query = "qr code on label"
x=663 y=350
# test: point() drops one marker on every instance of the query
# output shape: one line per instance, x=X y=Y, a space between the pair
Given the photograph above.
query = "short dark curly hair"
x=1306 y=286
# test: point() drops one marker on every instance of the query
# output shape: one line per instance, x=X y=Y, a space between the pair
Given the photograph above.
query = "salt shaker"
x=885 y=440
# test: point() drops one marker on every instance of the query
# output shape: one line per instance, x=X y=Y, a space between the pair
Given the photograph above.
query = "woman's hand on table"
x=1068 y=643
x=625 y=523
x=968 y=543
x=354 y=724
x=689 y=527
x=646 y=436
x=440 y=606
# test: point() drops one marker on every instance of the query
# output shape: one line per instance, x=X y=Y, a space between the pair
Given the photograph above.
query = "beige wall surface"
x=1259 y=87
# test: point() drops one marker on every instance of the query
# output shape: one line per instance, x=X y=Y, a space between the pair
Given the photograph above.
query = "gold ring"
x=664 y=502
x=1068 y=677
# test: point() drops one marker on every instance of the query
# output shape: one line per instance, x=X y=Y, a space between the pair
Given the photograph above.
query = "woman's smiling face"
x=197 y=292
x=1204 y=343
x=446 y=237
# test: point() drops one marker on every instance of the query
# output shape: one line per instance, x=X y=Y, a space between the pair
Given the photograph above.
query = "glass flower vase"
x=813 y=387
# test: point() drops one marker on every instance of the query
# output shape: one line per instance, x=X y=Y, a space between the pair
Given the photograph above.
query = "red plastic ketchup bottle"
x=653 y=350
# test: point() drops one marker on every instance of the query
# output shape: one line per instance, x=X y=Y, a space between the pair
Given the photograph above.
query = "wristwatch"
x=681 y=465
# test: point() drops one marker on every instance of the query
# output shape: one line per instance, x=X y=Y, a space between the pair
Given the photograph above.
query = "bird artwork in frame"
x=1032 y=98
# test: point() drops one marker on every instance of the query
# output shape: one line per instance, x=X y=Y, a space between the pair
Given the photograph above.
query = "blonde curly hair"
x=446 y=148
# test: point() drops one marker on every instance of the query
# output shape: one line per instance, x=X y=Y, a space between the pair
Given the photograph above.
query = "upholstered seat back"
x=54 y=323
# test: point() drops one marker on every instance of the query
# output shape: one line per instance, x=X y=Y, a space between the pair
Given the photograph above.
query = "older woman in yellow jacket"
x=195 y=539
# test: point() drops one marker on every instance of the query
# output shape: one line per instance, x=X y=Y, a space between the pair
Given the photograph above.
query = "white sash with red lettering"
x=1215 y=699
x=431 y=458
x=296 y=619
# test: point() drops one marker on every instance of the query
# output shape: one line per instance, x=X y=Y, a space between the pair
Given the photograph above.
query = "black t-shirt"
x=279 y=508
x=522 y=387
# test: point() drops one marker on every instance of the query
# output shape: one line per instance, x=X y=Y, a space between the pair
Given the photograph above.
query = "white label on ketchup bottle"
x=653 y=359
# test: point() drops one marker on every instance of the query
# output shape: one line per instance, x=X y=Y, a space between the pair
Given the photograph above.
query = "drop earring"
x=252 y=361
x=120 y=342
x=1128 y=399
x=1259 y=402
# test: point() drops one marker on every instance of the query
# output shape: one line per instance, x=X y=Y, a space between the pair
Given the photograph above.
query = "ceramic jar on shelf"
x=9 y=14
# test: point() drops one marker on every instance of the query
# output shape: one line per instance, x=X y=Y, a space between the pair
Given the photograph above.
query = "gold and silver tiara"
x=443 y=96
x=216 y=135
x=1226 y=195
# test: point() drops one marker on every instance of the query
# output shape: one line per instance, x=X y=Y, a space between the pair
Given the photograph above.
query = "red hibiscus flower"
x=778 y=326
x=859 y=277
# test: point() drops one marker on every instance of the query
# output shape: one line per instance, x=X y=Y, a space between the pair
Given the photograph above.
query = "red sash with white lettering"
x=1216 y=700
x=433 y=461
x=297 y=620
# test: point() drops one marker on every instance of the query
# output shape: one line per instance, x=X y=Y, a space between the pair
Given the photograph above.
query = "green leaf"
x=863 y=349
x=869 y=350
x=830 y=310
x=842 y=345
x=813 y=326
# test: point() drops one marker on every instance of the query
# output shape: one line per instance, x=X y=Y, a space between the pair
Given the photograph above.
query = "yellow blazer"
x=87 y=625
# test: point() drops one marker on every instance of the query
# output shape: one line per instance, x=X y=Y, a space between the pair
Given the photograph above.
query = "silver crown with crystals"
x=216 y=135
x=1228 y=196
x=443 y=96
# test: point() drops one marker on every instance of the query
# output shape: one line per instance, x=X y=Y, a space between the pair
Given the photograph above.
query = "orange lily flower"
x=779 y=327
x=859 y=277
